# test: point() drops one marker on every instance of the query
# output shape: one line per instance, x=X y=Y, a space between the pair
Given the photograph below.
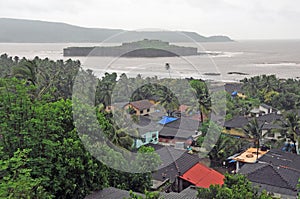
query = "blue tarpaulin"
x=234 y=93
x=167 y=120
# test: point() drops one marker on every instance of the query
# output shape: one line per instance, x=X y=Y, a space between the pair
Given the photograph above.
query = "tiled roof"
x=188 y=193
x=231 y=87
x=184 y=123
x=182 y=128
x=269 y=118
x=241 y=121
x=110 y=193
x=202 y=176
x=114 y=193
x=236 y=122
x=277 y=171
x=141 y=104
x=174 y=161
x=266 y=106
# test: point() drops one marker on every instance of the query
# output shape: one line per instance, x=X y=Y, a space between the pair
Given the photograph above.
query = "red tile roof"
x=202 y=176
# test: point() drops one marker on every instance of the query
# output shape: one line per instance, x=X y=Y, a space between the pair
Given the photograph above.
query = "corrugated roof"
x=202 y=176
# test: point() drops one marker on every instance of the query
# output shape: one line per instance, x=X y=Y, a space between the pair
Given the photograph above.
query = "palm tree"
x=167 y=66
x=254 y=130
x=202 y=94
x=26 y=70
x=291 y=124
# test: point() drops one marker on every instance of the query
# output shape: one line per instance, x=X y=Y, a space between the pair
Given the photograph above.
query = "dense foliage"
x=41 y=148
x=42 y=155
x=280 y=93
x=234 y=187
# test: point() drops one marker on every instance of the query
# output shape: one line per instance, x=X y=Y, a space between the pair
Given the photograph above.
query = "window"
x=148 y=110
x=271 y=134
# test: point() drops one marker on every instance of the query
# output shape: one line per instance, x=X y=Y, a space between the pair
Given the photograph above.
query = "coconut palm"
x=291 y=124
x=26 y=70
x=202 y=94
x=168 y=67
x=254 y=130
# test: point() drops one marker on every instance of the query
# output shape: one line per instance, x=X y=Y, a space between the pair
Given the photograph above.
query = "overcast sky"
x=239 y=19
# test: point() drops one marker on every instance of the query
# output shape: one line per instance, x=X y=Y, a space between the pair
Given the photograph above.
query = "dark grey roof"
x=271 y=126
x=114 y=193
x=175 y=133
x=174 y=161
x=279 y=157
x=236 y=122
x=285 y=193
x=188 y=193
x=231 y=87
x=182 y=128
x=141 y=104
x=241 y=121
x=266 y=106
x=110 y=193
x=276 y=171
x=145 y=124
x=269 y=118
x=184 y=123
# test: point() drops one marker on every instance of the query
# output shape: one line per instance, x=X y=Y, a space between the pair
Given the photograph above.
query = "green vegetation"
x=42 y=150
x=282 y=94
x=235 y=187
x=42 y=155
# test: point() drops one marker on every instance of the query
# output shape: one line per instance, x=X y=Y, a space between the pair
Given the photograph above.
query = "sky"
x=238 y=19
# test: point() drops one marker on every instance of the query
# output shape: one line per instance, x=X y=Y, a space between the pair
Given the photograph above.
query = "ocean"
x=234 y=60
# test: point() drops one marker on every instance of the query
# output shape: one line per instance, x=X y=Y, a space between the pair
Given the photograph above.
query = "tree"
x=225 y=146
x=17 y=181
x=254 y=130
x=234 y=187
x=291 y=124
x=167 y=66
x=201 y=93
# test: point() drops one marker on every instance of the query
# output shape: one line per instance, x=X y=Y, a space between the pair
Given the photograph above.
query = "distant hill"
x=32 y=31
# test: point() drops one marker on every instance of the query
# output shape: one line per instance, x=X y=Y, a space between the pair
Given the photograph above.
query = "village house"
x=141 y=107
x=270 y=129
x=180 y=169
x=276 y=171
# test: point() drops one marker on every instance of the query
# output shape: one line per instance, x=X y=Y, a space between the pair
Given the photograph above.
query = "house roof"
x=184 y=123
x=250 y=155
x=236 y=122
x=241 y=121
x=114 y=193
x=190 y=193
x=269 y=118
x=231 y=87
x=183 y=127
x=110 y=193
x=176 y=133
x=141 y=104
x=276 y=171
x=202 y=176
x=166 y=120
x=266 y=106
x=174 y=162
x=145 y=125
x=179 y=128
